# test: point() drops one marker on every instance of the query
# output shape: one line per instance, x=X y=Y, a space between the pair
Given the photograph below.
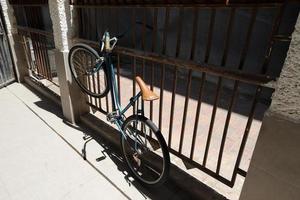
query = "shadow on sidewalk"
x=193 y=189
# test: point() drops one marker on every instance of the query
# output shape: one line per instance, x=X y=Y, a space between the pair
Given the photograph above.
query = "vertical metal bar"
x=133 y=18
x=227 y=37
x=44 y=56
x=179 y=31
x=117 y=19
x=154 y=37
x=197 y=114
x=28 y=57
x=97 y=36
x=271 y=42
x=89 y=81
x=235 y=87
x=80 y=24
x=134 y=81
x=165 y=33
x=212 y=120
x=84 y=29
x=162 y=82
x=107 y=104
x=188 y=88
x=33 y=40
x=246 y=133
x=49 y=75
x=248 y=38
x=109 y=15
x=209 y=36
x=223 y=62
x=40 y=56
x=172 y=106
x=99 y=90
x=154 y=33
x=94 y=83
x=118 y=76
x=194 y=35
x=36 y=55
x=102 y=20
x=231 y=105
x=91 y=30
x=143 y=46
x=144 y=29
x=151 y=102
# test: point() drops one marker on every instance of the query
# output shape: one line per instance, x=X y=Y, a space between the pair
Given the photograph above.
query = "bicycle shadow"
x=111 y=150
x=165 y=191
x=169 y=190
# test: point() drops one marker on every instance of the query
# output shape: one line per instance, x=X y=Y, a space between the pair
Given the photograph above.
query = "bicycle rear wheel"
x=83 y=63
x=145 y=151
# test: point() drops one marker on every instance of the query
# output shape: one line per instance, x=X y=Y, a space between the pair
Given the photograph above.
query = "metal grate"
x=163 y=47
x=34 y=24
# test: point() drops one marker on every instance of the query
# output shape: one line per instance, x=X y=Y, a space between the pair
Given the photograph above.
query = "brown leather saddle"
x=147 y=94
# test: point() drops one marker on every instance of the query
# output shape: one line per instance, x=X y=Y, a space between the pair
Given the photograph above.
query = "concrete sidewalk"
x=41 y=156
x=36 y=163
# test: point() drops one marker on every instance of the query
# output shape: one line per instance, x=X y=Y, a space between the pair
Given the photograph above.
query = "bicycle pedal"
x=86 y=137
x=112 y=116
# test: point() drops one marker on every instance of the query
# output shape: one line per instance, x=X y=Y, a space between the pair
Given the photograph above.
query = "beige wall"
x=274 y=172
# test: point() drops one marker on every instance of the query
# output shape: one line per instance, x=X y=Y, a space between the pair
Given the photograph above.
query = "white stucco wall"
x=286 y=98
x=10 y=20
x=62 y=24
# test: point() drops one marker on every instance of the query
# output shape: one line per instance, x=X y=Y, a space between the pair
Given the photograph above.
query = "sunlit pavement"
x=41 y=156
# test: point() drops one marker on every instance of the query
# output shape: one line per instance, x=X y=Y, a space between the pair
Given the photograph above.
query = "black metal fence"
x=209 y=61
x=193 y=54
x=34 y=24
x=7 y=74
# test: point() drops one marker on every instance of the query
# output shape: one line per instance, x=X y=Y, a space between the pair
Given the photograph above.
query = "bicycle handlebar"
x=106 y=40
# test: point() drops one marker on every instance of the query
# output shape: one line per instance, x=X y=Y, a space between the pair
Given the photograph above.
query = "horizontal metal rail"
x=30 y=5
x=28 y=2
x=226 y=73
x=186 y=4
x=238 y=75
x=34 y=30
x=266 y=5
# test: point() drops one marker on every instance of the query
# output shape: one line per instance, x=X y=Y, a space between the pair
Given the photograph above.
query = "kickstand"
x=86 y=138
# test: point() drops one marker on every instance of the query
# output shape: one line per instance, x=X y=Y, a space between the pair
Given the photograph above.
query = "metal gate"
x=7 y=74
x=208 y=61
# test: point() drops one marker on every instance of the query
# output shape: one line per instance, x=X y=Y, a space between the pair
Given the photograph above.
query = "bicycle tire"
x=164 y=153
x=92 y=53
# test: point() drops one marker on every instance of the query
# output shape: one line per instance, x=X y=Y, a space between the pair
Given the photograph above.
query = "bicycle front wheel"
x=145 y=150
x=83 y=65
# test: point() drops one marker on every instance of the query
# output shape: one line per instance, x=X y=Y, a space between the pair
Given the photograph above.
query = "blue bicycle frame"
x=117 y=114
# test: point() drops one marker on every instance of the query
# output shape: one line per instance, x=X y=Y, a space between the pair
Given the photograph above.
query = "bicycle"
x=143 y=146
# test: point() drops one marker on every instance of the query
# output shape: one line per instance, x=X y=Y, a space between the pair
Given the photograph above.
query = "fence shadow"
x=111 y=150
x=169 y=190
